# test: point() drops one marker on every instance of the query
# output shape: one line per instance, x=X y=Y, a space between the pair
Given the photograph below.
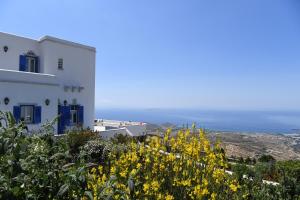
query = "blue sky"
x=211 y=54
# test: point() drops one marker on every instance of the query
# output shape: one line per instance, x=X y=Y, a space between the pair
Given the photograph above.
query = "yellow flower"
x=194 y=168
x=147 y=160
x=133 y=172
x=233 y=187
x=133 y=158
x=123 y=174
x=146 y=187
x=104 y=178
x=176 y=169
x=155 y=185
x=171 y=157
x=162 y=167
x=138 y=166
x=218 y=174
x=186 y=183
x=213 y=196
x=113 y=170
x=185 y=173
x=169 y=197
x=205 y=182
x=189 y=149
x=93 y=170
x=100 y=168
x=197 y=191
x=205 y=191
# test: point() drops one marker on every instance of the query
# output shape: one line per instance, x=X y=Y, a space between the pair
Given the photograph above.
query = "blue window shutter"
x=37 y=114
x=22 y=66
x=37 y=66
x=66 y=115
x=17 y=113
x=60 y=123
x=80 y=114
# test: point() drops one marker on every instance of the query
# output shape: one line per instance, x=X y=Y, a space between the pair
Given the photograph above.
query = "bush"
x=290 y=177
x=77 y=138
x=241 y=170
x=266 y=158
x=97 y=151
x=41 y=166
x=146 y=171
x=37 y=166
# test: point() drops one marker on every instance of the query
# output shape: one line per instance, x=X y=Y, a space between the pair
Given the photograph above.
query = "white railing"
x=14 y=76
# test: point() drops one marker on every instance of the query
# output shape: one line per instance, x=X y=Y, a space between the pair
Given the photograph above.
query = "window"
x=60 y=63
x=74 y=113
x=27 y=113
x=31 y=64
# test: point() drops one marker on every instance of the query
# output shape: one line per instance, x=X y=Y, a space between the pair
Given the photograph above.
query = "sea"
x=275 y=122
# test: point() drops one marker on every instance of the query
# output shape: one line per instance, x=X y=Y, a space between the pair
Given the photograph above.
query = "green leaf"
x=89 y=165
x=10 y=162
x=63 y=189
x=57 y=155
x=68 y=165
x=15 y=190
x=89 y=194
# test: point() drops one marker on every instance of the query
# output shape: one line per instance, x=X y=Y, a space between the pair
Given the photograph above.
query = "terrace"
x=13 y=76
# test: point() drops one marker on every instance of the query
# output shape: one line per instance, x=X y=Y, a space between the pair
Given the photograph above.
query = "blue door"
x=63 y=119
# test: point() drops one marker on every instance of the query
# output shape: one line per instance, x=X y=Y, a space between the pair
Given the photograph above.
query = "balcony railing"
x=13 y=76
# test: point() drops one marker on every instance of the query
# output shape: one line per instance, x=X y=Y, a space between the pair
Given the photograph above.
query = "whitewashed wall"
x=16 y=47
x=79 y=71
x=31 y=94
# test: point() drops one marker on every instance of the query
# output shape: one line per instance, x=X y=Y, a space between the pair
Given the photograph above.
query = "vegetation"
x=184 y=167
x=81 y=165
x=284 y=174
x=37 y=166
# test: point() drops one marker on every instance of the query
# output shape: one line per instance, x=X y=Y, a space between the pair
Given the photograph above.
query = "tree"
x=266 y=158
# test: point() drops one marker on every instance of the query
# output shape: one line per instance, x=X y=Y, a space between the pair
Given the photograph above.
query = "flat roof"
x=66 y=42
x=54 y=39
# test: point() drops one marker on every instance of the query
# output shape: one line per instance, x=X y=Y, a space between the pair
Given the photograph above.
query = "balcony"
x=13 y=76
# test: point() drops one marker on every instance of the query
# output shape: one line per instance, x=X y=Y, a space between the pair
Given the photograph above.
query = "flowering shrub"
x=41 y=166
x=183 y=167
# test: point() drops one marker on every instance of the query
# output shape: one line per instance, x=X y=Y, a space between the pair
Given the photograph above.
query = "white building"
x=45 y=78
x=110 y=128
x=133 y=131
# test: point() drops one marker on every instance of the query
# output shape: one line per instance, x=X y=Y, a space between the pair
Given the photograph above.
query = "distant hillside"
x=253 y=145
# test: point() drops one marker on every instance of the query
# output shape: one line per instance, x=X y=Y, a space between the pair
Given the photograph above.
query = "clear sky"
x=214 y=54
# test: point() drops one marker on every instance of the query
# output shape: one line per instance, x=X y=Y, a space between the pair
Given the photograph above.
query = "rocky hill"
x=281 y=147
x=253 y=145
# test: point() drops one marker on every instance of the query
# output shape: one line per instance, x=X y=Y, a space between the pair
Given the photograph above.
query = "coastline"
x=269 y=122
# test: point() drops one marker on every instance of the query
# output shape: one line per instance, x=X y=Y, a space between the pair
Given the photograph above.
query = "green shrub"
x=96 y=151
x=241 y=169
x=266 y=158
x=121 y=139
x=77 y=138
x=37 y=166
x=42 y=166
x=290 y=177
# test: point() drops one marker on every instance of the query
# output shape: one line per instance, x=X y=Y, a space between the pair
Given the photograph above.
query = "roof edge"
x=66 y=42
x=17 y=36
